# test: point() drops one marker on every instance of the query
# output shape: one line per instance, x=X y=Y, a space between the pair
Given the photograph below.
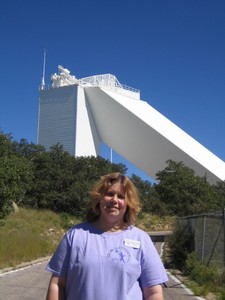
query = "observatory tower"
x=82 y=113
x=64 y=116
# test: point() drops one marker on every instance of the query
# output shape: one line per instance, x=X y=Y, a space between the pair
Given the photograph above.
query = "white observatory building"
x=82 y=113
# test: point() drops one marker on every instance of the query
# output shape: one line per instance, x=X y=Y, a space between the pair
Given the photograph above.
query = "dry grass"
x=149 y=222
x=29 y=234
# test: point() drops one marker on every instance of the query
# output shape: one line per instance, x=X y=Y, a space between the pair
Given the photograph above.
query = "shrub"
x=199 y=272
x=180 y=244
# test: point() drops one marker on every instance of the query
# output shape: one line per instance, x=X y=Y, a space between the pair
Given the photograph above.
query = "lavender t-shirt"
x=112 y=266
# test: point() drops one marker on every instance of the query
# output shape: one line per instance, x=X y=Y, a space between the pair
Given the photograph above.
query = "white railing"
x=105 y=80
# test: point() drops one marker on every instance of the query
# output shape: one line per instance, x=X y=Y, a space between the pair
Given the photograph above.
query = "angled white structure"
x=82 y=113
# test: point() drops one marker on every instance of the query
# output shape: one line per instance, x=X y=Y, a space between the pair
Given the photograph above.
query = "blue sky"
x=173 y=51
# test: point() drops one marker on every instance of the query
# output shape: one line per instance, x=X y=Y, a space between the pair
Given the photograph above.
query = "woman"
x=107 y=257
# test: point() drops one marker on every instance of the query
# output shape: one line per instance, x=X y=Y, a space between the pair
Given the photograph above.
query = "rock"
x=15 y=207
x=210 y=296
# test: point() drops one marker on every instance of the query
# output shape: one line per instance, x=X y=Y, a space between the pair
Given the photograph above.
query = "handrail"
x=106 y=80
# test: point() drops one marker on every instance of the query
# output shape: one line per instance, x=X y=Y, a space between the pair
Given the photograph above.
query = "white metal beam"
x=146 y=138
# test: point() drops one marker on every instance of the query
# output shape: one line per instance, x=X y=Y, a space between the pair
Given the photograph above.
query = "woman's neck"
x=102 y=225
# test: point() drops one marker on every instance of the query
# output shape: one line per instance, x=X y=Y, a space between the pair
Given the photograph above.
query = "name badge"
x=132 y=243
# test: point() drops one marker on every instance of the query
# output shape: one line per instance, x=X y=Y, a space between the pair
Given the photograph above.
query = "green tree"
x=145 y=191
x=5 y=144
x=150 y=199
x=26 y=149
x=62 y=182
x=183 y=192
x=219 y=188
x=91 y=168
x=15 y=178
x=53 y=175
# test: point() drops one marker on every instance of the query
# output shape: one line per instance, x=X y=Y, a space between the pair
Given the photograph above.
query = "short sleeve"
x=58 y=265
x=152 y=269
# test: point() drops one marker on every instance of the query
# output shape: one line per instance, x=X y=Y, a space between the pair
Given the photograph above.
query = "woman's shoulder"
x=138 y=230
x=134 y=230
x=77 y=231
x=81 y=227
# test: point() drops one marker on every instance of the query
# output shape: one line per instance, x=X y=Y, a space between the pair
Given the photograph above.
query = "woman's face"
x=113 y=205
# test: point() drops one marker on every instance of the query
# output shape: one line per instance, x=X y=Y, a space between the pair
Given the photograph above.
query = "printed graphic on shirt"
x=120 y=254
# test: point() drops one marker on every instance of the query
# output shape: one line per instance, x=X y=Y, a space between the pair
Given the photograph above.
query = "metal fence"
x=209 y=237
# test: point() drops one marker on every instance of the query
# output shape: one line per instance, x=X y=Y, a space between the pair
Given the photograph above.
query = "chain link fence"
x=209 y=237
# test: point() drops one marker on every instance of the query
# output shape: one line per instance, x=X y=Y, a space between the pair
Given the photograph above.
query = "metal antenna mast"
x=43 y=75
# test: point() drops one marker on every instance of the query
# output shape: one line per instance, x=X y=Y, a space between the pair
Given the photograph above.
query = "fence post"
x=203 y=239
x=224 y=235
